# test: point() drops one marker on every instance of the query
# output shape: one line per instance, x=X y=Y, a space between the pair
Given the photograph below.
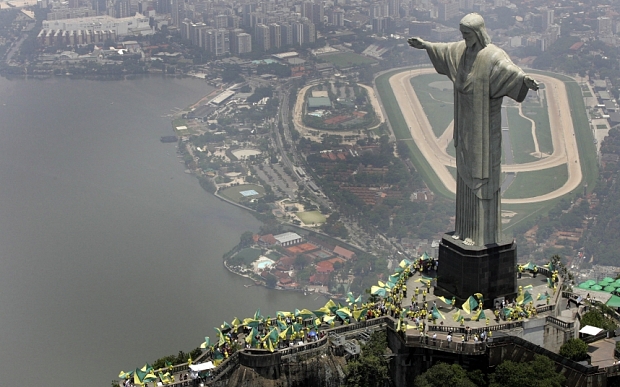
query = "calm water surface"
x=110 y=256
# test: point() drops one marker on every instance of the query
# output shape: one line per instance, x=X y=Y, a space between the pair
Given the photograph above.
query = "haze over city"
x=172 y=165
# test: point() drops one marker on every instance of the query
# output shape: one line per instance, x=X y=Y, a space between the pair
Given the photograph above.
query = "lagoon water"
x=110 y=255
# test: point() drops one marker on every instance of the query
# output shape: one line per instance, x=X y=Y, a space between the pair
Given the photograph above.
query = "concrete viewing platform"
x=486 y=343
x=535 y=286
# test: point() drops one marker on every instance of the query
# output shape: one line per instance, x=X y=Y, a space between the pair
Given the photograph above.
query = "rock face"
x=323 y=370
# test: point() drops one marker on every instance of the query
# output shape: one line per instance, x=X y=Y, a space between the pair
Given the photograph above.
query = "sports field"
x=248 y=255
x=234 y=193
x=311 y=217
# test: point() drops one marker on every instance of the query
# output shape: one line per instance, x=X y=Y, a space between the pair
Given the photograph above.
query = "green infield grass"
x=520 y=137
x=436 y=100
x=311 y=217
x=248 y=255
x=535 y=183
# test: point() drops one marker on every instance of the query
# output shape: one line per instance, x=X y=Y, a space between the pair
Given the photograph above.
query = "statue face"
x=469 y=36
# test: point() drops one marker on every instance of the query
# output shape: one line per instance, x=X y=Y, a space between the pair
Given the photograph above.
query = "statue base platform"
x=464 y=270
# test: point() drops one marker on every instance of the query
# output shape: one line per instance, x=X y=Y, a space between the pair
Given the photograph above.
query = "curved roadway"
x=434 y=149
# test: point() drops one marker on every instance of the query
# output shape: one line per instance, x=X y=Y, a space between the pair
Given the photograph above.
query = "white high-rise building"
x=547 y=18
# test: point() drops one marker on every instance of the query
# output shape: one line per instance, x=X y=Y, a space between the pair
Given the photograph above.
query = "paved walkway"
x=602 y=352
x=539 y=286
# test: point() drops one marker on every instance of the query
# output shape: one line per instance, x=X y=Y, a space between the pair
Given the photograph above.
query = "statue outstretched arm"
x=530 y=83
x=418 y=43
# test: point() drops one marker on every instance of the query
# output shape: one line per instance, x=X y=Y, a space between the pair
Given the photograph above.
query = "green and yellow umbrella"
x=257 y=315
x=250 y=322
x=359 y=313
x=480 y=315
x=206 y=344
x=470 y=304
x=225 y=326
x=138 y=376
x=287 y=332
x=457 y=316
x=281 y=325
x=436 y=314
x=304 y=313
x=321 y=312
x=352 y=300
x=425 y=281
x=331 y=305
x=378 y=291
x=343 y=313
x=541 y=297
x=235 y=323
x=220 y=336
x=251 y=338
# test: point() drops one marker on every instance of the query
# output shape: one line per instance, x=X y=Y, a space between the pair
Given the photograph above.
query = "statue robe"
x=478 y=94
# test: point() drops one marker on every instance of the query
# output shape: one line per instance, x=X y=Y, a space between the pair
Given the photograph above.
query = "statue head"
x=475 y=23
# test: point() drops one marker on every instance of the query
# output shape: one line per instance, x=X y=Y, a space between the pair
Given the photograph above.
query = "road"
x=14 y=48
x=434 y=150
x=283 y=92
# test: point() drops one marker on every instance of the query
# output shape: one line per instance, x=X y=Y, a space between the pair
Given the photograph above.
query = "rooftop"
x=287 y=237
x=316 y=102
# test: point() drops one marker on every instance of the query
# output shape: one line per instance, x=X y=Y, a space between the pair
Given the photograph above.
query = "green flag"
x=436 y=314
x=470 y=304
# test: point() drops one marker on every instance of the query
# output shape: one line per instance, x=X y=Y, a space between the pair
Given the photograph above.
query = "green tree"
x=595 y=318
x=539 y=372
x=246 y=239
x=271 y=280
x=370 y=369
x=574 y=349
x=232 y=73
x=442 y=374
x=300 y=261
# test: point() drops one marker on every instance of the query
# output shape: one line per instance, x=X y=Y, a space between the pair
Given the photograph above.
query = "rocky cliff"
x=325 y=370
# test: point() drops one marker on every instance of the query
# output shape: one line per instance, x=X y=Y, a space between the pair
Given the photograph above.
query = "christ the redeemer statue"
x=482 y=75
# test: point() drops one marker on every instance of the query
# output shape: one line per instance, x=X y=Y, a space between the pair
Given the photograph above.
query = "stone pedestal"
x=464 y=270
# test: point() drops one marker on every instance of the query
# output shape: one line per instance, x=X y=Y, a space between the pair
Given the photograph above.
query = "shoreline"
x=208 y=183
x=262 y=283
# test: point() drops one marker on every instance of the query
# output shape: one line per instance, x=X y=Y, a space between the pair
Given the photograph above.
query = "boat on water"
x=169 y=139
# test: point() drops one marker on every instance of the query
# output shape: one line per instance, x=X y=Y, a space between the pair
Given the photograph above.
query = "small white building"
x=288 y=239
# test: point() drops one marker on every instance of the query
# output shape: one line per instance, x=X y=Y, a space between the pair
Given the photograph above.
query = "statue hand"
x=416 y=43
x=530 y=83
